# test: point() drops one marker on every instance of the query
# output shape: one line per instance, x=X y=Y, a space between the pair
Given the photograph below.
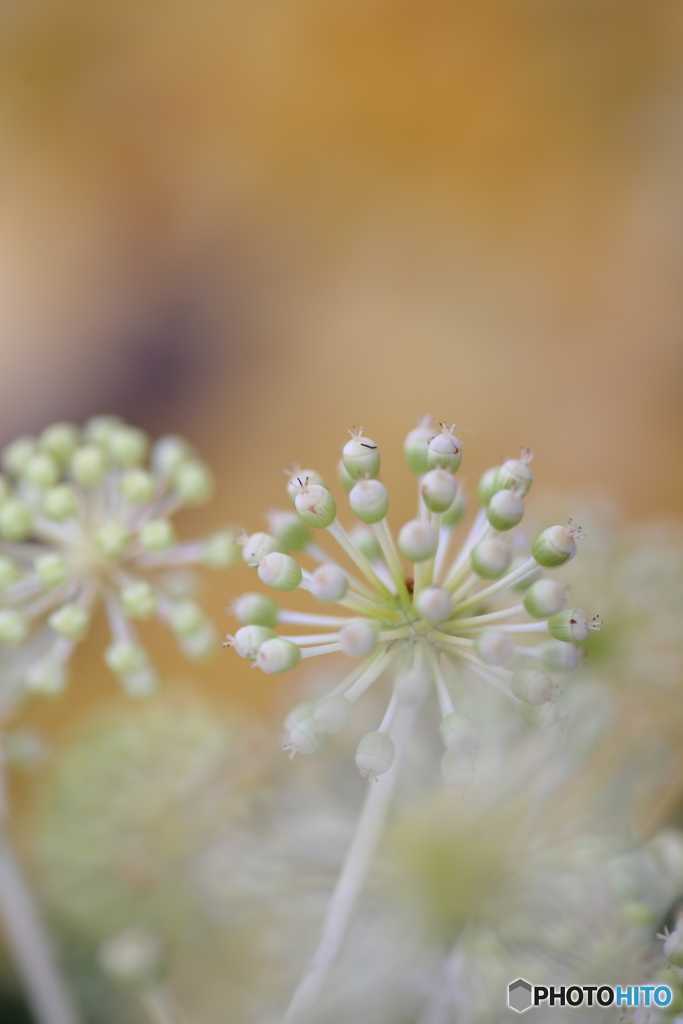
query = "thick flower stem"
x=354 y=872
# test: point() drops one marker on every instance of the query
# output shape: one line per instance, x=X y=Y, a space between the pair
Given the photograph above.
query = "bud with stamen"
x=516 y=474
x=257 y=546
x=361 y=456
x=333 y=713
x=248 y=640
x=298 y=478
x=375 y=754
x=572 y=625
x=305 y=737
x=555 y=546
x=316 y=506
x=445 y=450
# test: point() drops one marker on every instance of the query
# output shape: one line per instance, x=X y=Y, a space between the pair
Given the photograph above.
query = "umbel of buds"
x=85 y=518
x=404 y=602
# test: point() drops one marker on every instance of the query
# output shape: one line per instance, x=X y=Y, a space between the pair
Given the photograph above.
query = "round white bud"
x=279 y=571
x=305 y=736
x=532 y=685
x=289 y=529
x=133 y=959
x=416 y=445
x=248 y=639
x=16 y=520
x=156 y=535
x=458 y=770
x=445 y=450
x=438 y=489
x=572 y=625
x=516 y=474
x=17 y=453
x=412 y=687
x=123 y=657
x=539 y=716
x=88 y=465
x=358 y=638
x=70 y=621
x=486 y=487
x=99 y=428
x=14 y=626
x=328 y=583
x=60 y=503
x=375 y=754
x=60 y=441
x=278 y=655
x=316 y=506
x=299 y=478
x=168 y=454
x=545 y=597
x=40 y=471
x=127 y=446
x=297 y=714
x=111 y=539
x=360 y=456
x=557 y=656
x=493 y=647
x=369 y=500
x=46 y=676
x=554 y=547
x=418 y=540
x=138 y=486
x=505 y=510
x=365 y=539
x=51 y=569
x=456 y=510
x=433 y=604
x=193 y=482
x=184 y=617
x=333 y=713
x=257 y=546
x=256 y=610
x=459 y=734
x=138 y=599
x=491 y=558
x=221 y=549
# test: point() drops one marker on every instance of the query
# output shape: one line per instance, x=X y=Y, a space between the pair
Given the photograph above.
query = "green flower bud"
x=418 y=540
x=17 y=453
x=98 y=429
x=532 y=685
x=51 y=570
x=156 y=535
x=487 y=485
x=123 y=657
x=9 y=573
x=544 y=598
x=365 y=539
x=555 y=546
x=289 y=530
x=412 y=687
x=16 y=520
x=70 y=621
x=47 y=676
x=185 y=616
x=491 y=558
x=14 y=626
x=445 y=450
x=138 y=486
x=256 y=610
x=279 y=571
x=89 y=465
x=539 y=716
x=316 y=506
x=140 y=684
x=516 y=474
x=557 y=656
x=433 y=604
x=328 y=583
x=369 y=500
x=248 y=639
x=439 y=490
x=361 y=456
x=298 y=714
x=200 y=643
x=526 y=581
x=358 y=637
x=458 y=771
x=493 y=647
x=299 y=478
x=132 y=959
x=305 y=736
x=168 y=454
x=572 y=625
x=60 y=441
x=40 y=471
x=193 y=482
x=257 y=546
x=221 y=550
x=60 y=503
x=333 y=713
x=111 y=539
x=375 y=754
x=344 y=477
x=459 y=734
x=505 y=510
x=278 y=655
x=127 y=446
x=456 y=510
x=416 y=445
x=138 y=599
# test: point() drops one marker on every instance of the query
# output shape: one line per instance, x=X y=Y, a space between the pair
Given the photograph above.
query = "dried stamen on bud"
x=445 y=450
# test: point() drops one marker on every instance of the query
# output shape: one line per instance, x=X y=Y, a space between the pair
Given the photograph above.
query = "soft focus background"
x=259 y=223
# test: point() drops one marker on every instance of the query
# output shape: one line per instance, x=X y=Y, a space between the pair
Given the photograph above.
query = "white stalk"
x=359 y=559
x=480 y=620
x=310 y=618
x=388 y=546
x=524 y=569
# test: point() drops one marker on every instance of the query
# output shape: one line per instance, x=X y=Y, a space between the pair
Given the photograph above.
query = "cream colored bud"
x=51 y=569
x=99 y=428
x=256 y=610
x=60 y=503
x=360 y=456
x=257 y=546
x=416 y=446
x=16 y=520
x=433 y=604
x=300 y=478
x=70 y=621
x=305 y=736
x=532 y=686
x=493 y=647
x=193 y=482
x=168 y=454
x=14 y=626
x=486 y=487
x=572 y=625
x=248 y=639
x=544 y=598
x=290 y=530
x=298 y=714
x=333 y=713
x=516 y=474
x=505 y=510
x=138 y=599
x=278 y=655
x=127 y=446
x=60 y=441
x=413 y=687
x=456 y=510
x=156 y=535
x=17 y=453
x=316 y=506
x=557 y=656
x=279 y=571
x=375 y=754
x=459 y=734
x=328 y=583
x=185 y=617
x=445 y=450
x=221 y=550
x=138 y=486
x=89 y=465
x=458 y=771
x=438 y=489
x=491 y=558
x=369 y=500
x=358 y=638
x=123 y=657
x=554 y=546
x=40 y=471
x=112 y=539
x=418 y=540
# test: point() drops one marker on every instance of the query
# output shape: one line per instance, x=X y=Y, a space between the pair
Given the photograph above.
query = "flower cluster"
x=437 y=611
x=84 y=516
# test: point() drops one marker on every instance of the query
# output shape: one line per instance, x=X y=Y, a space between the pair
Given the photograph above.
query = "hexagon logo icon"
x=519 y=995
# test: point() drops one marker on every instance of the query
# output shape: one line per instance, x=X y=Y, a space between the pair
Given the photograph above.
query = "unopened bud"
x=297 y=714
x=89 y=465
x=673 y=947
x=433 y=604
x=344 y=477
x=257 y=546
x=156 y=535
x=16 y=520
x=133 y=959
x=60 y=503
x=17 y=453
x=305 y=736
x=557 y=656
x=516 y=473
x=138 y=599
x=486 y=487
x=316 y=506
x=127 y=446
x=361 y=456
x=458 y=770
x=199 y=643
x=418 y=540
x=70 y=621
x=332 y=713
x=572 y=625
x=9 y=573
x=459 y=734
x=256 y=610
x=505 y=510
x=40 y=471
x=99 y=428
x=289 y=529
x=168 y=454
x=369 y=500
x=328 y=583
x=111 y=539
x=493 y=647
x=47 y=676
x=532 y=685
x=221 y=550
x=51 y=569
x=365 y=539
x=248 y=639
x=413 y=687
x=138 y=486
x=193 y=482
x=491 y=558
x=375 y=754
x=123 y=657
x=416 y=445
x=60 y=441
x=445 y=450
x=278 y=655
x=358 y=638
x=456 y=510
x=14 y=626
x=438 y=489
x=184 y=616
x=554 y=546
x=544 y=598
x=279 y=571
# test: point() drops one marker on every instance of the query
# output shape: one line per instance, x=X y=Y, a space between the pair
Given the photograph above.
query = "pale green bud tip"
x=47 y=676
x=256 y=610
x=315 y=505
x=375 y=754
x=193 y=482
x=557 y=656
x=70 y=621
x=344 y=477
x=298 y=477
x=138 y=599
x=127 y=446
x=439 y=489
x=111 y=539
x=133 y=959
x=279 y=571
x=556 y=545
x=124 y=657
x=328 y=583
x=491 y=558
x=51 y=570
x=365 y=539
x=332 y=714
x=14 y=626
x=418 y=540
x=156 y=535
x=221 y=550
x=539 y=716
x=572 y=625
x=487 y=485
x=17 y=453
x=305 y=737
x=433 y=604
x=60 y=503
x=493 y=647
x=168 y=454
x=184 y=617
x=369 y=500
x=505 y=510
x=458 y=770
x=298 y=714
x=137 y=486
x=257 y=546
x=248 y=639
x=89 y=465
x=290 y=530
x=16 y=520
x=445 y=450
x=416 y=445
x=99 y=428
x=358 y=638
x=459 y=734
x=516 y=474
x=360 y=456
x=40 y=471
x=60 y=441
x=544 y=598
x=413 y=687
x=278 y=655
x=532 y=685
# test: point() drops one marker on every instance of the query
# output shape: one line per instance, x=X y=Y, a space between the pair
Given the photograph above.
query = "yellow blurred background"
x=260 y=223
